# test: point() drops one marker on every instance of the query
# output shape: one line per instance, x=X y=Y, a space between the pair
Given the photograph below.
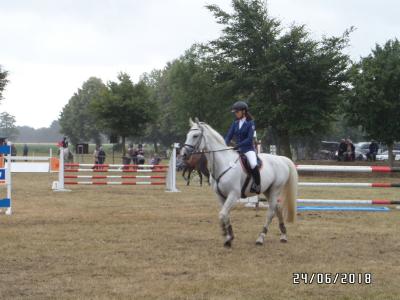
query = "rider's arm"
x=229 y=136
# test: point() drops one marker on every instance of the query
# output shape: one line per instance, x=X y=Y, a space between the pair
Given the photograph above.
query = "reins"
x=195 y=151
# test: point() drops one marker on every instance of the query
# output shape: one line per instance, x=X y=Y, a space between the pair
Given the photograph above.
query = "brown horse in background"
x=196 y=162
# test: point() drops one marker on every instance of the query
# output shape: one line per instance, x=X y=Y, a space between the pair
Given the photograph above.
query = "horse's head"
x=194 y=139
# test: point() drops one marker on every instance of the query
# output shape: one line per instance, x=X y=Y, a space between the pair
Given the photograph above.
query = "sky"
x=51 y=47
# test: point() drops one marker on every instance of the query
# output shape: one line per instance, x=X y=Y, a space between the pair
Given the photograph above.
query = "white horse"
x=278 y=179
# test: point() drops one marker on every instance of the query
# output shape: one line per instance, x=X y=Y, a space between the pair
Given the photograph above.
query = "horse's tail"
x=289 y=203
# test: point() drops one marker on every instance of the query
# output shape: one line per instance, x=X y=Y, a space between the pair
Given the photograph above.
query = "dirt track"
x=140 y=242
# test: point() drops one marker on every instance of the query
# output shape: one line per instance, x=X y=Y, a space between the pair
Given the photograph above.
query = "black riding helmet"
x=240 y=105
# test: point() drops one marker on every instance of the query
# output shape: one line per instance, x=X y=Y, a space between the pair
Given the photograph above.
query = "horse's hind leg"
x=201 y=178
x=282 y=226
x=273 y=198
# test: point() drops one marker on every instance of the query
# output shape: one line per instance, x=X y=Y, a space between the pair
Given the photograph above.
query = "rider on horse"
x=243 y=129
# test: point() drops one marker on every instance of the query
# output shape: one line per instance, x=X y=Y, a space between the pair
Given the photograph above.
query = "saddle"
x=246 y=167
x=245 y=163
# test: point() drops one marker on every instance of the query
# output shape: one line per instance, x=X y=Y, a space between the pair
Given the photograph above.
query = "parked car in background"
x=361 y=150
x=362 y=147
x=385 y=155
x=328 y=151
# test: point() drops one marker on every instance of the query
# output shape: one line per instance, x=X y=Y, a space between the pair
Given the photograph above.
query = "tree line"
x=300 y=89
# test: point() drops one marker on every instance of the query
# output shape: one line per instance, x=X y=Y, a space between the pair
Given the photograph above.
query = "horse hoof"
x=228 y=244
x=260 y=241
x=283 y=240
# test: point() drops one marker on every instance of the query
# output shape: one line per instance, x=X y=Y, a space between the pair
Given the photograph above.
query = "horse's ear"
x=191 y=123
x=197 y=120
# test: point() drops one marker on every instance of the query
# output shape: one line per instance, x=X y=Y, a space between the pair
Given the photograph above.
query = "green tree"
x=49 y=134
x=76 y=119
x=294 y=83
x=7 y=126
x=3 y=81
x=125 y=109
x=196 y=92
x=187 y=87
x=162 y=130
x=374 y=101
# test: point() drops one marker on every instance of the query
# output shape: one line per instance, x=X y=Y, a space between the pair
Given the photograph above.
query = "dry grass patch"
x=140 y=242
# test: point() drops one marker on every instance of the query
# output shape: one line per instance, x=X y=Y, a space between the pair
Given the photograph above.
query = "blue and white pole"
x=5 y=174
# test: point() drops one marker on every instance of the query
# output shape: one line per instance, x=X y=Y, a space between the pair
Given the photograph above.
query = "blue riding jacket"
x=243 y=136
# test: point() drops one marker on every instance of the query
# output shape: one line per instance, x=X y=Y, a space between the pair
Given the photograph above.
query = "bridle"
x=194 y=149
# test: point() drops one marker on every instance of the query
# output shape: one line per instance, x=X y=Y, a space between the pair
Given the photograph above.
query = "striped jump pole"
x=327 y=208
x=343 y=208
x=5 y=175
x=117 y=170
x=350 y=184
x=332 y=201
x=169 y=180
x=114 y=183
x=116 y=166
x=112 y=176
x=347 y=169
x=256 y=199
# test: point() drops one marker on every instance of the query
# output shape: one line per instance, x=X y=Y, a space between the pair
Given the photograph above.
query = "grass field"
x=127 y=242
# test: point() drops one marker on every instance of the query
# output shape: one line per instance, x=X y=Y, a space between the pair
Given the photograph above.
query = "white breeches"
x=252 y=158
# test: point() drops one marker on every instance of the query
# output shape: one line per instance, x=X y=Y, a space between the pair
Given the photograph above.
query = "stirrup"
x=255 y=188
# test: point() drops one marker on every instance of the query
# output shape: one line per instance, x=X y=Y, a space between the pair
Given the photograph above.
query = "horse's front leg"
x=183 y=174
x=224 y=217
x=188 y=177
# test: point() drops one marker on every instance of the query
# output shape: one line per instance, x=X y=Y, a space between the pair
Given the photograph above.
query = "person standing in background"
x=350 y=153
x=101 y=156
x=140 y=155
x=25 y=151
x=342 y=150
x=96 y=156
x=13 y=149
x=131 y=155
x=373 y=150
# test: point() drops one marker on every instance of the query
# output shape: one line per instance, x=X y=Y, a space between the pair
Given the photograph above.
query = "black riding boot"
x=255 y=187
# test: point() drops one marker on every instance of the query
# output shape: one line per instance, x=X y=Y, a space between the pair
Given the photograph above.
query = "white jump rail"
x=31 y=164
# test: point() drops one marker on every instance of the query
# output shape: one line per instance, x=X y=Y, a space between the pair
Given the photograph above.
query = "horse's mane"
x=214 y=134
